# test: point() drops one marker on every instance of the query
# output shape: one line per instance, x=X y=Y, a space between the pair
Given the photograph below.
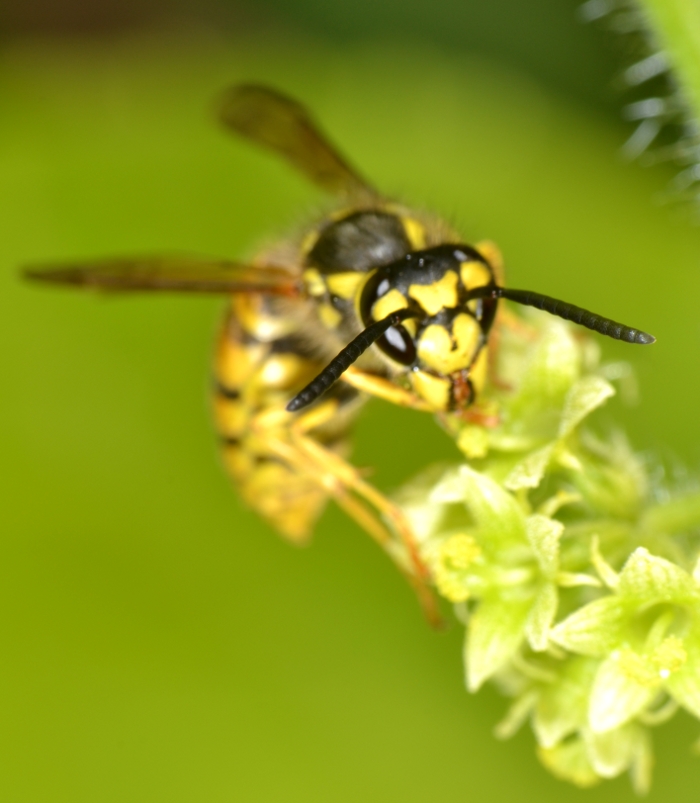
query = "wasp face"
x=442 y=345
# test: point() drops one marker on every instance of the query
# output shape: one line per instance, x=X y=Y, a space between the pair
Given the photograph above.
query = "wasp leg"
x=296 y=446
x=349 y=479
x=371 y=524
x=383 y=389
x=310 y=457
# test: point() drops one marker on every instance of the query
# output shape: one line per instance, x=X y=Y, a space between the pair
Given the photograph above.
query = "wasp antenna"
x=339 y=364
x=570 y=312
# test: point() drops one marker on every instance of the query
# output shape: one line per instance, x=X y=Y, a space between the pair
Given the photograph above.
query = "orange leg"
x=294 y=445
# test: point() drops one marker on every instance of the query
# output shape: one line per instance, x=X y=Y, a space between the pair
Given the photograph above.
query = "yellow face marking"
x=467 y=335
x=315 y=286
x=435 y=347
x=479 y=371
x=281 y=371
x=344 y=284
x=410 y=326
x=415 y=232
x=435 y=390
x=474 y=274
x=438 y=295
x=329 y=315
x=445 y=353
x=391 y=302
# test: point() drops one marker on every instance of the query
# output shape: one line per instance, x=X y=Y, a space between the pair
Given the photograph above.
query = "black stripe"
x=229 y=440
x=226 y=392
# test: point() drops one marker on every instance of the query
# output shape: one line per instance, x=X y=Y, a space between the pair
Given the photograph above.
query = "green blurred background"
x=158 y=642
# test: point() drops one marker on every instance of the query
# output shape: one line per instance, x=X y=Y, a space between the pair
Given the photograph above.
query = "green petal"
x=449 y=489
x=585 y=396
x=605 y=571
x=643 y=764
x=562 y=707
x=494 y=633
x=554 y=365
x=541 y=618
x=543 y=534
x=684 y=687
x=648 y=579
x=517 y=715
x=613 y=752
x=528 y=473
x=473 y=441
x=499 y=519
x=424 y=515
x=569 y=761
x=684 y=684
x=593 y=630
x=619 y=694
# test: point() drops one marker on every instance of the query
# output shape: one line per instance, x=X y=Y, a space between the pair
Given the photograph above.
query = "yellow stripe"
x=250 y=311
x=315 y=286
x=329 y=315
x=415 y=232
x=344 y=284
x=309 y=241
x=236 y=363
x=282 y=371
x=238 y=461
x=232 y=417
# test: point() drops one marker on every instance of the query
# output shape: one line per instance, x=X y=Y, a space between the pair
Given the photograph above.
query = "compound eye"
x=398 y=344
x=379 y=299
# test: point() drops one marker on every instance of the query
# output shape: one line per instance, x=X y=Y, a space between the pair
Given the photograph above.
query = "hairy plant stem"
x=675 y=25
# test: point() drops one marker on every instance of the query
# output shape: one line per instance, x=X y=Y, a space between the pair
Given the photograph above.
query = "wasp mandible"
x=387 y=299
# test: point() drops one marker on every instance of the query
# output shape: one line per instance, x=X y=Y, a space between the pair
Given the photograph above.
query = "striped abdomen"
x=266 y=353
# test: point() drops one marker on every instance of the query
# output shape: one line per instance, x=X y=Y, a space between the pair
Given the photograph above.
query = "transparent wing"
x=283 y=125
x=168 y=274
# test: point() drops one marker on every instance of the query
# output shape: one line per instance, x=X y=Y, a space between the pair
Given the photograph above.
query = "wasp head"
x=440 y=340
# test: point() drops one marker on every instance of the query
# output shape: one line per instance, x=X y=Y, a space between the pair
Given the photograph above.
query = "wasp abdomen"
x=263 y=358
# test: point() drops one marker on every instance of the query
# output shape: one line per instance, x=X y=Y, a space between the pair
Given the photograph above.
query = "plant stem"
x=675 y=25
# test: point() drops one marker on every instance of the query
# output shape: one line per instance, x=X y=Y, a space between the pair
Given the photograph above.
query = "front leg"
x=296 y=445
x=383 y=388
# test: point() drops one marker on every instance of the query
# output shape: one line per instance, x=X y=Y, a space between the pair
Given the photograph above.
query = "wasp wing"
x=169 y=274
x=283 y=125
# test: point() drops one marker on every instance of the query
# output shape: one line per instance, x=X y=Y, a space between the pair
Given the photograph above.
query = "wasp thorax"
x=442 y=343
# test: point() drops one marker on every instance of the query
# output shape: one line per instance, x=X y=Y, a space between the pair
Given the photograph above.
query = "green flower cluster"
x=576 y=578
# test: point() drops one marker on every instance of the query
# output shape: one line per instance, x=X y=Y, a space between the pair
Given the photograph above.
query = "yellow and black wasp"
x=389 y=300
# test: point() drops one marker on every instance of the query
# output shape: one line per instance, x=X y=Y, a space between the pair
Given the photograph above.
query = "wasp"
x=387 y=299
